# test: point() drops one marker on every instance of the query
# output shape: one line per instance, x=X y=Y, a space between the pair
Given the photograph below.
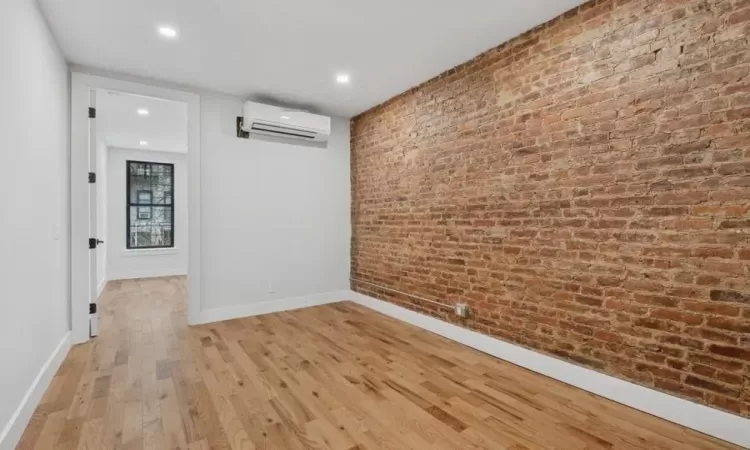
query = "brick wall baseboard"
x=702 y=418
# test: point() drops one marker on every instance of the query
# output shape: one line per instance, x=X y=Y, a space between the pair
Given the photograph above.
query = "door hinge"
x=92 y=177
x=92 y=243
x=92 y=113
x=92 y=308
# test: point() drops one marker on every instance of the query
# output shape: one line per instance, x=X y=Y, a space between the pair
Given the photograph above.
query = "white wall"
x=34 y=244
x=101 y=213
x=275 y=216
x=122 y=263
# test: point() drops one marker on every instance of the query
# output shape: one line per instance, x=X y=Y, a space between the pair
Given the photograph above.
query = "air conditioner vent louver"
x=282 y=131
x=290 y=124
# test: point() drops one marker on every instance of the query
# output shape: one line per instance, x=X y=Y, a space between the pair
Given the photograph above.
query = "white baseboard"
x=15 y=427
x=100 y=287
x=147 y=273
x=702 y=418
x=270 y=306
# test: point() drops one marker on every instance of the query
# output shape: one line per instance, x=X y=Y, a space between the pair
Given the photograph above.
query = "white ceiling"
x=119 y=124
x=290 y=50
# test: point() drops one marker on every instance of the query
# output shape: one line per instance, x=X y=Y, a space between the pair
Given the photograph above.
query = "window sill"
x=150 y=251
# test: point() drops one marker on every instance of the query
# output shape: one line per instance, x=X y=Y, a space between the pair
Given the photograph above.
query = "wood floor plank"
x=91 y=435
x=46 y=441
x=330 y=377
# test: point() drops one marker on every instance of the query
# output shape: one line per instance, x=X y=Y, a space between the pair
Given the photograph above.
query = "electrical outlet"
x=462 y=310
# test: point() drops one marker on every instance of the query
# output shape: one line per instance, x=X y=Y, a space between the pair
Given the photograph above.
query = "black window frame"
x=129 y=204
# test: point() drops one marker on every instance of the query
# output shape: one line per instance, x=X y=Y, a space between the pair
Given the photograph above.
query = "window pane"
x=155 y=179
x=150 y=226
x=144 y=197
x=150 y=205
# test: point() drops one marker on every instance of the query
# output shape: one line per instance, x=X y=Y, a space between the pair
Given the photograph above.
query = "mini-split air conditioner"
x=287 y=123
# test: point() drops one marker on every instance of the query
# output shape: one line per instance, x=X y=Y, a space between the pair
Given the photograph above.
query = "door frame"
x=81 y=85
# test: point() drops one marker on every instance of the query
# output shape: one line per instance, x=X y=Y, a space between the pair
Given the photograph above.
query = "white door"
x=93 y=236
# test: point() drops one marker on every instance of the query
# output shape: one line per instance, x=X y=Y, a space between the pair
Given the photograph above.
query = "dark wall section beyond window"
x=150 y=206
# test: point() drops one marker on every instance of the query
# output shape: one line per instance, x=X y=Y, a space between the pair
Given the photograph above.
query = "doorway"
x=138 y=209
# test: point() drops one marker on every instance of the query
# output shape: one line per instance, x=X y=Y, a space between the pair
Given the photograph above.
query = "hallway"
x=112 y=392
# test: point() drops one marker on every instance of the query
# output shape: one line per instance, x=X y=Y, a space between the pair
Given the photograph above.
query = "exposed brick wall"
x=585 y=188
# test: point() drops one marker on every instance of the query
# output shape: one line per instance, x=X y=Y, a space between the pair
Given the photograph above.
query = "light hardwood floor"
x=337 y=376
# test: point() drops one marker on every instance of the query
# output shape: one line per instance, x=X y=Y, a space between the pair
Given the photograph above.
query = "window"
x=150 y=206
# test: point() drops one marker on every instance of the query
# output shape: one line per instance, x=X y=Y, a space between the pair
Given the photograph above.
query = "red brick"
x=666 y=211
x=707 y=280
x=732 y=366
x=692 y=224
x=658 y=300
x=738 y=325
x=729 y=378
x=734 y=168
x=655 y=324
x=681 y=341
x=730 y=296
x=661 y=372
x=718 y=336
x=725 y=210
x=709 y=385
x=731 y=351
x=597 y=217
x=712 y=308
x=678 y=316
x=713 y=252
x=589 y=301
x=678 y=387
x=734 y=224
x=681 y=198
x=702 y=370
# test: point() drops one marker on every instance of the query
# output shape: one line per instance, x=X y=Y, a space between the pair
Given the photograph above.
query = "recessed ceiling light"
x=285 y=117
x=142 y=111
x=342 y=78
x=144 y=142
x=168 y=32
